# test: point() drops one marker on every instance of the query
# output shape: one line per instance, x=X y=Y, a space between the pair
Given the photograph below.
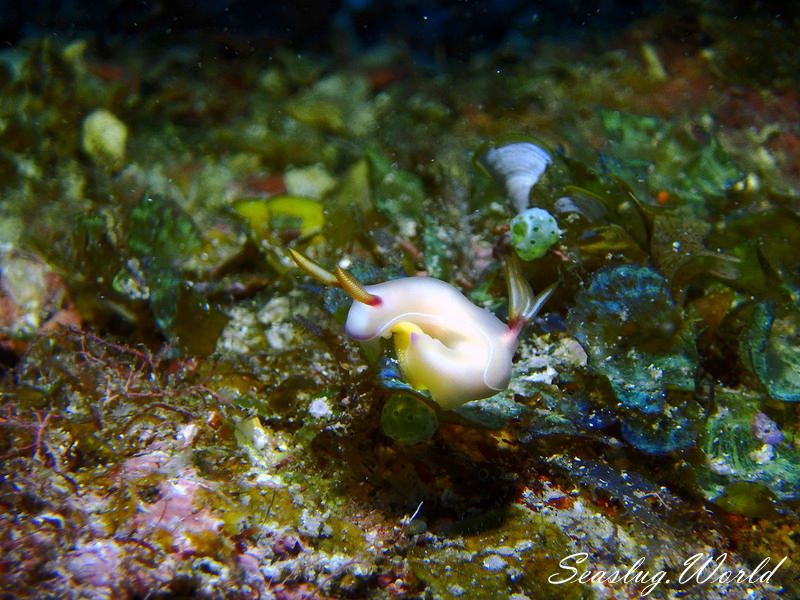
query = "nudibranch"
x=445 y=344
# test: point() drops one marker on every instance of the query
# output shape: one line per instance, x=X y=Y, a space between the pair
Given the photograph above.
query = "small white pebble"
x=320 y=409
x=494 y=563
x=313 y=525
x=524 y=546
x=186 y=434
x=504 y=550
x=515 y=574
x=456 y=590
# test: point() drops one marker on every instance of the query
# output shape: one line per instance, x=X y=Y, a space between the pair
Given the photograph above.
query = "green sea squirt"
x=533 y=233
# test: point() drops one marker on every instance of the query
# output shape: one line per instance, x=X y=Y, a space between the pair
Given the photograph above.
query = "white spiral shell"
x=518 y=166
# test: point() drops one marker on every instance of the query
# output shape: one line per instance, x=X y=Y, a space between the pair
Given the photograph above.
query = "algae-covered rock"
x=103 y=138
x=24 y=280
x=492 y=413
x=280 y=459
x=737 y=450
x=33 y=300
x=771 y=349
x=632 y=332
x=513 y=559
x=338 y=103
x=631 y=329
x=439 y=253
x=677 y=428
x=749 y=46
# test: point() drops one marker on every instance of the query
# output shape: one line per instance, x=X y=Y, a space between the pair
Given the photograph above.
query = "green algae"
x=398 y=194
x=349 y=207
x=610 y=206
x=438 y=249
x=734 y=455
x=632 y=136
x=596 y=243
x=629 y=325
x=749 y=499
x=160 y=237
x=161 y=232
x=770 y=349
x=631 y=330
x=407 y=419
x=647 y=149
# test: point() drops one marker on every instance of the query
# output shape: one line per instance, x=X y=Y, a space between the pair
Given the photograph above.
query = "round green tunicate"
x=407 y=419
x=533 y=232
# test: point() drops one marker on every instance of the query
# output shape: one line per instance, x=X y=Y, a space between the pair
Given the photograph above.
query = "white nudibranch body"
x=445 y=344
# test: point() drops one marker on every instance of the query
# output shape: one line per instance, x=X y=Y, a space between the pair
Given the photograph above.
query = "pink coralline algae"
x=175 y=511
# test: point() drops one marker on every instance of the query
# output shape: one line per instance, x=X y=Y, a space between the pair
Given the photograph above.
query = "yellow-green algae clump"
x=103 y=138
